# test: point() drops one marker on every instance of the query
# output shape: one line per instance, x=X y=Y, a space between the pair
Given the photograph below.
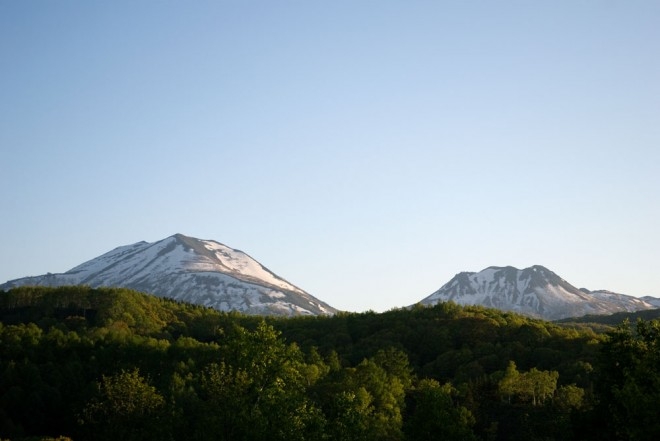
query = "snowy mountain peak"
x=535 y=291
x=193 y=270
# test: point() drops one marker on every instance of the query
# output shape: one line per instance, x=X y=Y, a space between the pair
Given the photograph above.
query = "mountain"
x=535 y=291
x=197 y=271
x=652 y=301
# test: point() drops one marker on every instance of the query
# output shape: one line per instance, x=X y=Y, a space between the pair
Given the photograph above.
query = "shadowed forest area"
x=104 y=364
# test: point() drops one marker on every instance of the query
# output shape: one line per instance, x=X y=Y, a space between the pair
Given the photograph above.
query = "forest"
x=78 y=363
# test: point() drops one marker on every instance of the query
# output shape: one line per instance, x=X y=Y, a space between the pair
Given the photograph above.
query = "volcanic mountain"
x=534 y=291
x=196 y=271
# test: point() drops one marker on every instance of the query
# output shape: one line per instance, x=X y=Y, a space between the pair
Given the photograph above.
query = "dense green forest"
x=597 y=321
x=105 y=364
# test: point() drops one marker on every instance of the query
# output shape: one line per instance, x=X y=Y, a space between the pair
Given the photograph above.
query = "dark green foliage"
x=605 y=323
x=630 y=390
x=103 y=364
x=125 y=407
x=433 y=414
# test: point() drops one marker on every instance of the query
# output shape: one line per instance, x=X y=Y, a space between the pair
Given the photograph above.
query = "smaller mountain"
x=535 y=291
x=652 y=301
x=203 y=272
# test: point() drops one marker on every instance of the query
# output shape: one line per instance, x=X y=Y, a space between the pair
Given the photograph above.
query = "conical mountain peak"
x=193 y=270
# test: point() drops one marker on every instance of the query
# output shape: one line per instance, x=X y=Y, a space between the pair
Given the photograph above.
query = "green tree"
x=226 y=412
x=510 y=384
x=432 y=414
x=350 y=415
x=540 y=384
x=569 y=397
x=535 y=385
x=259 y=390
x=126 y=407
x=388 y=392
x=630 y=386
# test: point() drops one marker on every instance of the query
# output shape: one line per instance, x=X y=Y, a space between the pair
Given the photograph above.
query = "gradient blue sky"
x=366 y=151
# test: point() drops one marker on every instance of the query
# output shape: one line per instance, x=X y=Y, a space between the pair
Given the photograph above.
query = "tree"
x=535 y=385
x=226 y=404
x=350 y=415
x=541 y=385
x=510 y=384
x=569 y=397
x=126 y=407
x=259 y=390
x=432 y=414
x=388 y=394
x=630 y=386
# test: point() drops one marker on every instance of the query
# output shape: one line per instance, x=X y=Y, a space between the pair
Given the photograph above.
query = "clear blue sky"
x=366 y=151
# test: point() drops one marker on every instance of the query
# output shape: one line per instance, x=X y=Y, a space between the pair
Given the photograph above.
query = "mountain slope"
x=535 y=291
x=192 y=270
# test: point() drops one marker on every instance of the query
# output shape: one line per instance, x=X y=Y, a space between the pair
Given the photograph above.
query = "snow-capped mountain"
x=197 y=271
x=534 y=291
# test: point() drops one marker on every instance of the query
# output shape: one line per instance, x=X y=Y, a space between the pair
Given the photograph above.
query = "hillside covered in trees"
x=102 y=364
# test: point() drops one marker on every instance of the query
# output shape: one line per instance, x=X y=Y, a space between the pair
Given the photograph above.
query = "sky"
x=366 y=151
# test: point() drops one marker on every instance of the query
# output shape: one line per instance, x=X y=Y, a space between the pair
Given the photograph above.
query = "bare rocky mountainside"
x=535 y=291
x=197 y=271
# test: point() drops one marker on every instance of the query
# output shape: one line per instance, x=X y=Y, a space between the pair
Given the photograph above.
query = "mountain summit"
x=192 y=270
x=535 y=291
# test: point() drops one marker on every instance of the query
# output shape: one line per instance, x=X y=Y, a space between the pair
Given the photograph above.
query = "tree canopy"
x=82 y=363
